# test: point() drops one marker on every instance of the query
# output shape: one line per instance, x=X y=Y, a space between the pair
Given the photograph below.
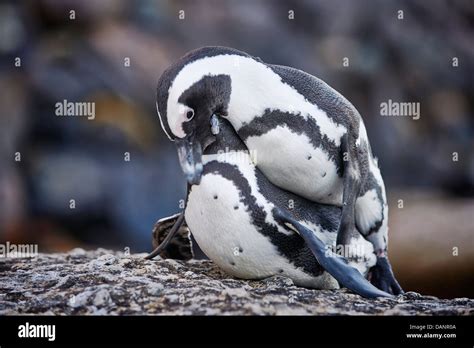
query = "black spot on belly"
x=309 y=157
x=215 y=196
x=324 y=174
x=330 y=194
x=241 y=250
x=280 y=271
x=232 y=263
x=236 y=207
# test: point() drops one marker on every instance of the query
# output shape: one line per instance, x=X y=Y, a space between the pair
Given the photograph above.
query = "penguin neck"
x=226 y=141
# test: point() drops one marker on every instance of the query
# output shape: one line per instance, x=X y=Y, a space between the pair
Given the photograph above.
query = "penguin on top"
x=308 y=138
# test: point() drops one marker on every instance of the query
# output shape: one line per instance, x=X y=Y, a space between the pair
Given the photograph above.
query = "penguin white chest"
x=223 y=228
x=290 y=161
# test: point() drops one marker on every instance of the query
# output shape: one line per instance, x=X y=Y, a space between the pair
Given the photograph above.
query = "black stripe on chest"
x=271 y=119
x=292 y=246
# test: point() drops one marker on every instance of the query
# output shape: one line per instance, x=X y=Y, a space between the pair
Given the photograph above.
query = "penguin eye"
x=190 y=114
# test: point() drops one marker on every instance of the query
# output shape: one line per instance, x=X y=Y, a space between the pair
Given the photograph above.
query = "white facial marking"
x=286 y=164
x=255 y=88
x=161 y=122
x=179 y=119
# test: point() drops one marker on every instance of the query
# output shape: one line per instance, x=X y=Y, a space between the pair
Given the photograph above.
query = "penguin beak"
x=190 y=159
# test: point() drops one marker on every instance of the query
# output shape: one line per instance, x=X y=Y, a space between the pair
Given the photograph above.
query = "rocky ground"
x=104 y=282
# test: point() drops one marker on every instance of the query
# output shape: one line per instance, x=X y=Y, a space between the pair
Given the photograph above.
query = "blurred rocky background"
x=112 y=52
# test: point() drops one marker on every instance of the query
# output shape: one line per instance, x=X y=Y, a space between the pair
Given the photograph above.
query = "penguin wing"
x=334 y=264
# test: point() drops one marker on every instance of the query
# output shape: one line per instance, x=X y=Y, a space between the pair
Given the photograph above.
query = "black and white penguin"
x=309 y=139
x=252 y=229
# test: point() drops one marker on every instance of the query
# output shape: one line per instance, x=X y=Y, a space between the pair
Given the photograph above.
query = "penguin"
x=253 y=229
x=310 y=140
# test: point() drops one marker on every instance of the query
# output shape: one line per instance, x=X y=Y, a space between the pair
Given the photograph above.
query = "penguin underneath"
x=253 y=230
x=310 y=140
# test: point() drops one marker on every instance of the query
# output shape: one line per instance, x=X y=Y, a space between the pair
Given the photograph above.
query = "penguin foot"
x=381 y=275
x=170 y=238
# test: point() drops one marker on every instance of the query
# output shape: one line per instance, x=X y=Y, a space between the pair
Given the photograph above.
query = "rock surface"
x=103 y=282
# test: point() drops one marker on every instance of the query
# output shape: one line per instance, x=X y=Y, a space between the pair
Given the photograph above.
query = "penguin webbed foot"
x=381 y=275
x=170 y=238
x=334 y=264
x=161 y=229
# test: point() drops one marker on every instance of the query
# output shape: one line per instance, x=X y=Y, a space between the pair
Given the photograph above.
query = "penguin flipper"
x=334 y=264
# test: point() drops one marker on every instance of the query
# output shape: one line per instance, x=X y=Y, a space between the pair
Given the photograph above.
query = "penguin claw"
x=381 y=275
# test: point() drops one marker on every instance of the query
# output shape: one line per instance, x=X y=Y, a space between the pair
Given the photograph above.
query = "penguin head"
x=188 y=116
